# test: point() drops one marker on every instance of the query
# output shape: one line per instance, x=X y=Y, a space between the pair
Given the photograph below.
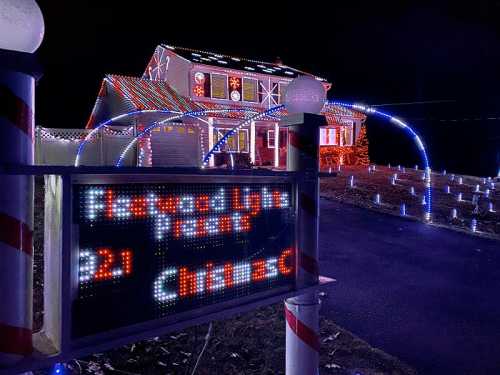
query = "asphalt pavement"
x=427 y=295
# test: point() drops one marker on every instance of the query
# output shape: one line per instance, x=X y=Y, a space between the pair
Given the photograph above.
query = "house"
x=228 y=90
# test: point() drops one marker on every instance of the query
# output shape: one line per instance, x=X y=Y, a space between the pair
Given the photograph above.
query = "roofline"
x=172 y=48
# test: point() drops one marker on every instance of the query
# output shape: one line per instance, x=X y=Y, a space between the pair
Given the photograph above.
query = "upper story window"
x=250 y=90
x=218 y=86
x=282 y=90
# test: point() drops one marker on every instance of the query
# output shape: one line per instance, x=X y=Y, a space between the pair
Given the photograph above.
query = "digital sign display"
x=150 y=251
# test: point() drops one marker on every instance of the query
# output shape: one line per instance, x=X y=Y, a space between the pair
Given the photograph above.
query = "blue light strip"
x=89 y=136
x=409 y=131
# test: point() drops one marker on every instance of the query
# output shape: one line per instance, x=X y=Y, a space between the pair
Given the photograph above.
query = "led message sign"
x=150 y=251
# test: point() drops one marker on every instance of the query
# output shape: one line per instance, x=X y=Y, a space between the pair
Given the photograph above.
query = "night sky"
x=371 y=52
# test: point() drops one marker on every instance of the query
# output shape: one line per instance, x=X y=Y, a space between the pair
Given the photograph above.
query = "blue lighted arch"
x=366 y=110
x=89 y=136
x=409 y=131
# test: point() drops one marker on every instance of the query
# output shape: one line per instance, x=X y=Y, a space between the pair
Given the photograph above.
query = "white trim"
x=252 y=142
x=211 y=139
x=276 y=145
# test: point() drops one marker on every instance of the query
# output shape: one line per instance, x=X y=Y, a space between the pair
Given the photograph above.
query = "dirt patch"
x=253 y=343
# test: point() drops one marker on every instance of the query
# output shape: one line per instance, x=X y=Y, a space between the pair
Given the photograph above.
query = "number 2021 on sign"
x=149 y=251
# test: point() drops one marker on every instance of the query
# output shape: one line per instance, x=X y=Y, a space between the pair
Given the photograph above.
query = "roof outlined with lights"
x=238 y=63
x=121 y=94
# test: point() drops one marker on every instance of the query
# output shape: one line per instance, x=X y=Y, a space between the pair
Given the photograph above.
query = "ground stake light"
x=490 y=207
x=459 y=197
x=473 y=225
x=402 y=209
x=412 y=190
x=454 y=213
x=447 y=189
x=475 y=199
x=377 y=199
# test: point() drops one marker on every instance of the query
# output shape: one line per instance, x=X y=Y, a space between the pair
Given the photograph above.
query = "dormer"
x=215 y=78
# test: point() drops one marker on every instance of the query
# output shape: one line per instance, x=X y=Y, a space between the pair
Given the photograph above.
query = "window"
x=282 y=90
x=250 y=90
x=327 y=137
x=219 y=86
x=237 y=142
x=243 y=141
x=270 y=138
x=346 y=136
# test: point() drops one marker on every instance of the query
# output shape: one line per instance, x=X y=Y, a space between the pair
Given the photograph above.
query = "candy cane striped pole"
x=16 y=208
x=302 y=312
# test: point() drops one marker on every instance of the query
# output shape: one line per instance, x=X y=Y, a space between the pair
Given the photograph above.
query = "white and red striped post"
x=17 y=86
x=302 y=312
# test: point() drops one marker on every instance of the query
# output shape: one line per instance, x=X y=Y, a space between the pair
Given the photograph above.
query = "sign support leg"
x=16 y=210
x=302 y=312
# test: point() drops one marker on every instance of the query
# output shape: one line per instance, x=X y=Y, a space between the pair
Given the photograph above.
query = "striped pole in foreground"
x=16 y=216
x=302 y=312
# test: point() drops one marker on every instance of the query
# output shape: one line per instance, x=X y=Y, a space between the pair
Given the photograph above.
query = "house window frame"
x=256 y=90
x=269 y=144
x=326 y=130
x=212 y=87
x=342 y=134
x=217 y=130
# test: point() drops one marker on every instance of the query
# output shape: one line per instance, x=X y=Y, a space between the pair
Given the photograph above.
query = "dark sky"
x=371 y=51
